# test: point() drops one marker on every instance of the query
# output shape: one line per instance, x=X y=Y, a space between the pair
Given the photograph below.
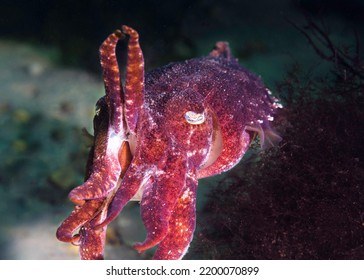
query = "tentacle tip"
x=125 y=28
x=75 y=198
x=60 y=235
x=130 y=31
x=139 y=246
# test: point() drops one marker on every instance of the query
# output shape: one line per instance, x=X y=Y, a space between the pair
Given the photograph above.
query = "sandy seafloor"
x=44 y=106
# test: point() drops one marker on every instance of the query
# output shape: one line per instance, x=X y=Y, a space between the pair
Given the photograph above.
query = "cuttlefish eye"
x=195 y=118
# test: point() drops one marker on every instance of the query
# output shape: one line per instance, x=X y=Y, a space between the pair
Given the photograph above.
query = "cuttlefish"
x=156 y=135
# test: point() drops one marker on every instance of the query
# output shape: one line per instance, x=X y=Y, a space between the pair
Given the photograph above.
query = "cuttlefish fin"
x=267 y=136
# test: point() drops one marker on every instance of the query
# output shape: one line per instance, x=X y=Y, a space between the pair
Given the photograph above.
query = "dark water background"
x=50 y=80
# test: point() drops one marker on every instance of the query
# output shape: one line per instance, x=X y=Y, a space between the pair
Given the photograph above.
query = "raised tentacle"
x=159 y=200
x=134 y=82
x=181 y=225
x=114 y=91
x=111 y=132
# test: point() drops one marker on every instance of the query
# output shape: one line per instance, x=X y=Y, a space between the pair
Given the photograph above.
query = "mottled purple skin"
x=157 y=136
x=237 y=97
x=231 y=90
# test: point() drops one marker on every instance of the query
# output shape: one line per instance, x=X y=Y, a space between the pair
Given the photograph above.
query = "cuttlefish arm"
x=78 y=227
x=106 y=167
x=92 y=241
x=134 y=81
x=85 y=212
x=168 y=202
x=159 y=199
x=182 y=224
x=66 y=232
x=87 y=217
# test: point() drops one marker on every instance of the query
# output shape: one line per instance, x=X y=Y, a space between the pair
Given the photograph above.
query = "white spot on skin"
x=203 y=151
x=159 y=172
x=190 y=154
x=186 y=194
x=278 y=105
x=189 y=137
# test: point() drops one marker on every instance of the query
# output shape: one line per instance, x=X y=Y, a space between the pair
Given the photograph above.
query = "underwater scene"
x=200 y=130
